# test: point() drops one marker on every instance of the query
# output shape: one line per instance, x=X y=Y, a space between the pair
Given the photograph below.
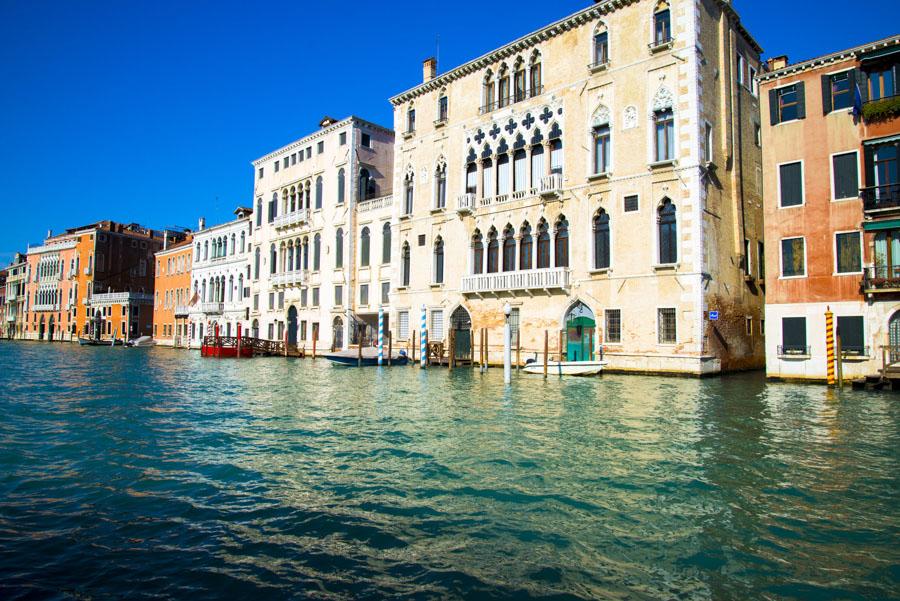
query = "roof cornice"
x=320 y=134
x=827 y=59
x=533 y=39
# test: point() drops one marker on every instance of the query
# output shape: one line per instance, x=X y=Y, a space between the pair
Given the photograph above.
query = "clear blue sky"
x=151 y=111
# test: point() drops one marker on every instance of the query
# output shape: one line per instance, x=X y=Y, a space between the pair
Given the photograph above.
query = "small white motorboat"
x=565 y=368
x=142 y=342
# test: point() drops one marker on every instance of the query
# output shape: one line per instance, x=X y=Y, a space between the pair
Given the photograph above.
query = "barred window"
x=666 y=326
x=613 y=326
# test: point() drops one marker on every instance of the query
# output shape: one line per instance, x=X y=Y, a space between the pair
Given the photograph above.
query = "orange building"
x=831 y=203
x=172 y=294
x=50 y=295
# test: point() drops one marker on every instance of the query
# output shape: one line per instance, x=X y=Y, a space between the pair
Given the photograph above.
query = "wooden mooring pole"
x=389 y=348
x=314 y=346
x=518 y=348
x=359 y=352
x=414 y=346
x=546 y=350
x=840 y=361
x=451 y=355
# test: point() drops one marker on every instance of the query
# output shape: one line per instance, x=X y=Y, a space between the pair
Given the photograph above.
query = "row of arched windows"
x=307 y=196
x=508 y=86
x=47 y=297
x=220 y=246
x=219 y=289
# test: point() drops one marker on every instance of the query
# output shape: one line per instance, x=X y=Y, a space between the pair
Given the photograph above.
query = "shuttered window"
x=851 y=330
x=793 y=335
x=437 y=325
x=790 y=181
x=403 y=329
x=787 y=103
x=849 y=252
x=793 y=257
x=845 y=173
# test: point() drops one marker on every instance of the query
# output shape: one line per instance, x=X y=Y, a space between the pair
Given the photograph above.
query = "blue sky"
x=152 y=111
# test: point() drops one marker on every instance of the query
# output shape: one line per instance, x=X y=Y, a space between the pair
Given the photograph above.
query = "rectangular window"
x=790 y=184
x=309 y=152
x=315 y=297
x=271 y=301
x=342 y=138
x=793 y=257
x=385 y=292
x=260 y=173
x=882 y=83
x=338 y=296
x=666 y=326
x=293 y=159
x=304 y=297
x=839 y=91
x=366 y=141
x=851 y=329
x=271 y=331
x=787 y=103
x=748 y=324
x=754 y=87
x=513 y=324
x=277 y=165
x=665 y=135
x=741 y=69
x=443 y=108
x=708 y=142
x=287 y=162
x=662 y=28
x=601 y=149
x=281 y=300
x=411 y=120
x=601 y=48
x=761 y=260
x=793 y=336
x=631 y=203
x=303 y=330
x=403 y=325
x=747 y=263
x=845 y=176
x=320 y=147
x=300 y=156
x=436 y=329
x=613 y=326
x=848 y=252
x=364 y=294
x=256 y=302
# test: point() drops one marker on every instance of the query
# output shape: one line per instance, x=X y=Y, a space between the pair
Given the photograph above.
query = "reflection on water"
x=150 y=472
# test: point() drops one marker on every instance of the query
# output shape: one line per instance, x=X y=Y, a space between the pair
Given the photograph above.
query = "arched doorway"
x=41 y=329
x=580 y=328
x=337 y=334
x=292 y=326
x=894 y=337
x=461 y=323
x=50 y=329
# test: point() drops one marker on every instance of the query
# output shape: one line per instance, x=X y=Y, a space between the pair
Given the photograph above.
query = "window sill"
x=598 y=67
x=661 y=46
x=600 y=271
x=438 y=209
x=842 y=111
x=599 y=176
x=845 y=199
x=855 y=358
x=794 y=357
x=802 y=204
x=792 y=277
x=436 y=285
x=780 y=123
x=665 y=266
x=440 y=123
x=405 y=216
x=666 y=163
x=401 y=288
x=838 y=274
x=409 y=134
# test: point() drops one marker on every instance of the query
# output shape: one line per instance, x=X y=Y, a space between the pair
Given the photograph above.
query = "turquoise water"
x=133 y=473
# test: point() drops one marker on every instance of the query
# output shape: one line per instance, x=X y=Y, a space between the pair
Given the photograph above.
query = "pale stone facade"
x=606 y=161
x=15 y=297
x=304 y=277
x=220 y=272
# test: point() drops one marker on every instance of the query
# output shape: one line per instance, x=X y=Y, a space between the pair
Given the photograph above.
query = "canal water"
x=153 y=473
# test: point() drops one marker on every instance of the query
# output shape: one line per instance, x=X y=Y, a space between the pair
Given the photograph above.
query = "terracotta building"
x=172 y=293
x=602 y=170
x=50 y=289
x=830 y=136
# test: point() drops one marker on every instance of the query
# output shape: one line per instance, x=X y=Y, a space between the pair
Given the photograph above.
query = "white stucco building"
x=221 y=278
x=309 y=198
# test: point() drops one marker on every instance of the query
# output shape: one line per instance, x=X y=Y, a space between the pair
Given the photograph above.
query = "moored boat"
x=351 y=358
x=565 y=368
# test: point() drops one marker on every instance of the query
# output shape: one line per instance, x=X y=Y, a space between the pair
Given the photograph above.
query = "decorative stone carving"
x=601 y=116
x=630 y=119
x=662 y=99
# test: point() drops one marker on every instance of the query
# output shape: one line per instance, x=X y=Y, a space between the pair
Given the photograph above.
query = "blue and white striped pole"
x=423 y=341
x=380 y=335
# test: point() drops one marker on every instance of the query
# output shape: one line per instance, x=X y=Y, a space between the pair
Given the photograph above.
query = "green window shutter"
x=801 y=100
x=846 y=175
x=870 y=166
x=852 y=332
x=773 y=106
x=826 y=94
x=793 y=333
x=862 y=81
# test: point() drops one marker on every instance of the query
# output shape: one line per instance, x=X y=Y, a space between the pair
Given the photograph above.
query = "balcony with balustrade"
x=290 y=278
x=298 y=217
x=515 y=283
x=549 y=187
x=373 y=204
x=182 y=310
x=46 y=307
x=121 y=298
x=208 y=308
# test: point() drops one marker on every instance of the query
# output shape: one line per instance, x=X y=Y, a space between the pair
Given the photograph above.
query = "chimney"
x=165 y=240
x=49 y=233
x=429 y=69
x=777 y=62
x=201 y=225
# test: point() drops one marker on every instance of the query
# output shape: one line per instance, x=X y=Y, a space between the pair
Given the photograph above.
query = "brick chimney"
x=429 y=69
x=777 y=62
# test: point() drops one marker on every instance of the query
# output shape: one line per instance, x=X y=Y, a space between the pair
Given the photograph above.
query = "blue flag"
x=857 y=101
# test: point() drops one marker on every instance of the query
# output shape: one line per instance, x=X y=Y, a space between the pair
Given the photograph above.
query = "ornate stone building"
x=14 y=319
x=314 y=197
x=604 y=166
x=221 y=278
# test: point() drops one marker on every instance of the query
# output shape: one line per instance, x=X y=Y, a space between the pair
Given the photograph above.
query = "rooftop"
x=856 y=51
x=327 y=125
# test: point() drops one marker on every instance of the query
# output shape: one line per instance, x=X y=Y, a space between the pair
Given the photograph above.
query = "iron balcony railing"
x=881 y=278
x=793 y=350
x=877 y=198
